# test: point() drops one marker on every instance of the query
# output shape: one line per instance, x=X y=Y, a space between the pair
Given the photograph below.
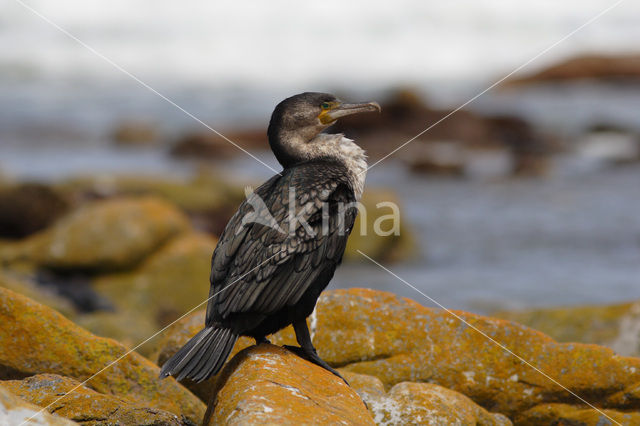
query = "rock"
x=421 y=403
x=207 y=144
x=84 y=405
x=404 y=115
x=616 y=326
x=15 y=411
x=531 y=152
x=46 y=296
x=269 y=384
x=380 y=230
x=74 y=287
x=107 y=235
x=167 y=284
x=207 y=199
x=509 y=147
x=605 y=68
x=564 y=414
x=127 y=327
x=397 y=340
x=626 y=398
x=135 y=133
x=437 y=158
x=366 y=386
x=35 y=339
x=28 y=208
x=457 y=144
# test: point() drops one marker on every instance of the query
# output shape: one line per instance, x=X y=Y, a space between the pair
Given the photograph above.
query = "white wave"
x=300 y=44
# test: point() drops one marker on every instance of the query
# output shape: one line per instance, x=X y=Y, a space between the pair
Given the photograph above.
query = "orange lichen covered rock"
x=564 y=414
x=419 y=403
x=15 y=410
x=180 y=269
x=84 y=405
x=268 y=384
x=429 y=404
x=366 y=386
x=106 y=235
x=40 y=294
x=397 y=340
x=614 y=326
x=168 y=283
x=35 y=339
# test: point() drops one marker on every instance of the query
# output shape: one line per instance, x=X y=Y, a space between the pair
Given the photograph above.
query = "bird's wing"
x=261 y=265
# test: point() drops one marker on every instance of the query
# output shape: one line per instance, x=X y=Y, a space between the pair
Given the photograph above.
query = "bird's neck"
x=355 y=159
x=294 y=149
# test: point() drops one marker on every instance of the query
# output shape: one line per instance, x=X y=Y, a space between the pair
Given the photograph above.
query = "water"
x=292 y=45
x=232 y=61
x=510 y=244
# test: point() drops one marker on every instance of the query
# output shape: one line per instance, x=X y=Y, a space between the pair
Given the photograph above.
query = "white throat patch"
x=347 y=152
x=356 y=160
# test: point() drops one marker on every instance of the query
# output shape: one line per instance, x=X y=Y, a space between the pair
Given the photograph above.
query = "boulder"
x=438 y=158
x=112 y=234
x=616 y=326
x=135 y=133
x=35 y=339
x=206 y=144
x=420 y=403
x=167 y=284
x=380 y=229
x=28 y=208
x=69 y=398
x=531 y=152
x=397 y=340
x=564 y=414
x=208 y=199
x=269 y=384
x=129 y=328
x=605 y=68
x=14 y=411
x=404 y=115
x=47 y=296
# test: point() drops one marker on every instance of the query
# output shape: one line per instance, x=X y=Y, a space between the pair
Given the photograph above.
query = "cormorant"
x=269 y=268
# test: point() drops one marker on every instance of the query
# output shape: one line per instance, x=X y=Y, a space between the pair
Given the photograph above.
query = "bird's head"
x=297 y=121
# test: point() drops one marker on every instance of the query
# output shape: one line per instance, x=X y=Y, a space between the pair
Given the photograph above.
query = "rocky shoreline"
x=409 y=363
x=133 y=263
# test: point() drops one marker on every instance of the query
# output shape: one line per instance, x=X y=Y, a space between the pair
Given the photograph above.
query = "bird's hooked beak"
x=342 y=110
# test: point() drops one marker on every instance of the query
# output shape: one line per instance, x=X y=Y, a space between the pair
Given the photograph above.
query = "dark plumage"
x=266 y=274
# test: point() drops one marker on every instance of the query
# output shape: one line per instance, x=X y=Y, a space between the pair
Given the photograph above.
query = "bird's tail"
x=202 y=356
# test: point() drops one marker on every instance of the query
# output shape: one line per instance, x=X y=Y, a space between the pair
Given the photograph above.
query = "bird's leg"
x=262 y=339
x=306 y=349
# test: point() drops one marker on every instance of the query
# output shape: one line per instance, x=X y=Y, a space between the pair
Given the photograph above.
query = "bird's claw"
x=314 y=358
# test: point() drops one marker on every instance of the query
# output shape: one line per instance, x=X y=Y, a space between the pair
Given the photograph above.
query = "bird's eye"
x=325 y=105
